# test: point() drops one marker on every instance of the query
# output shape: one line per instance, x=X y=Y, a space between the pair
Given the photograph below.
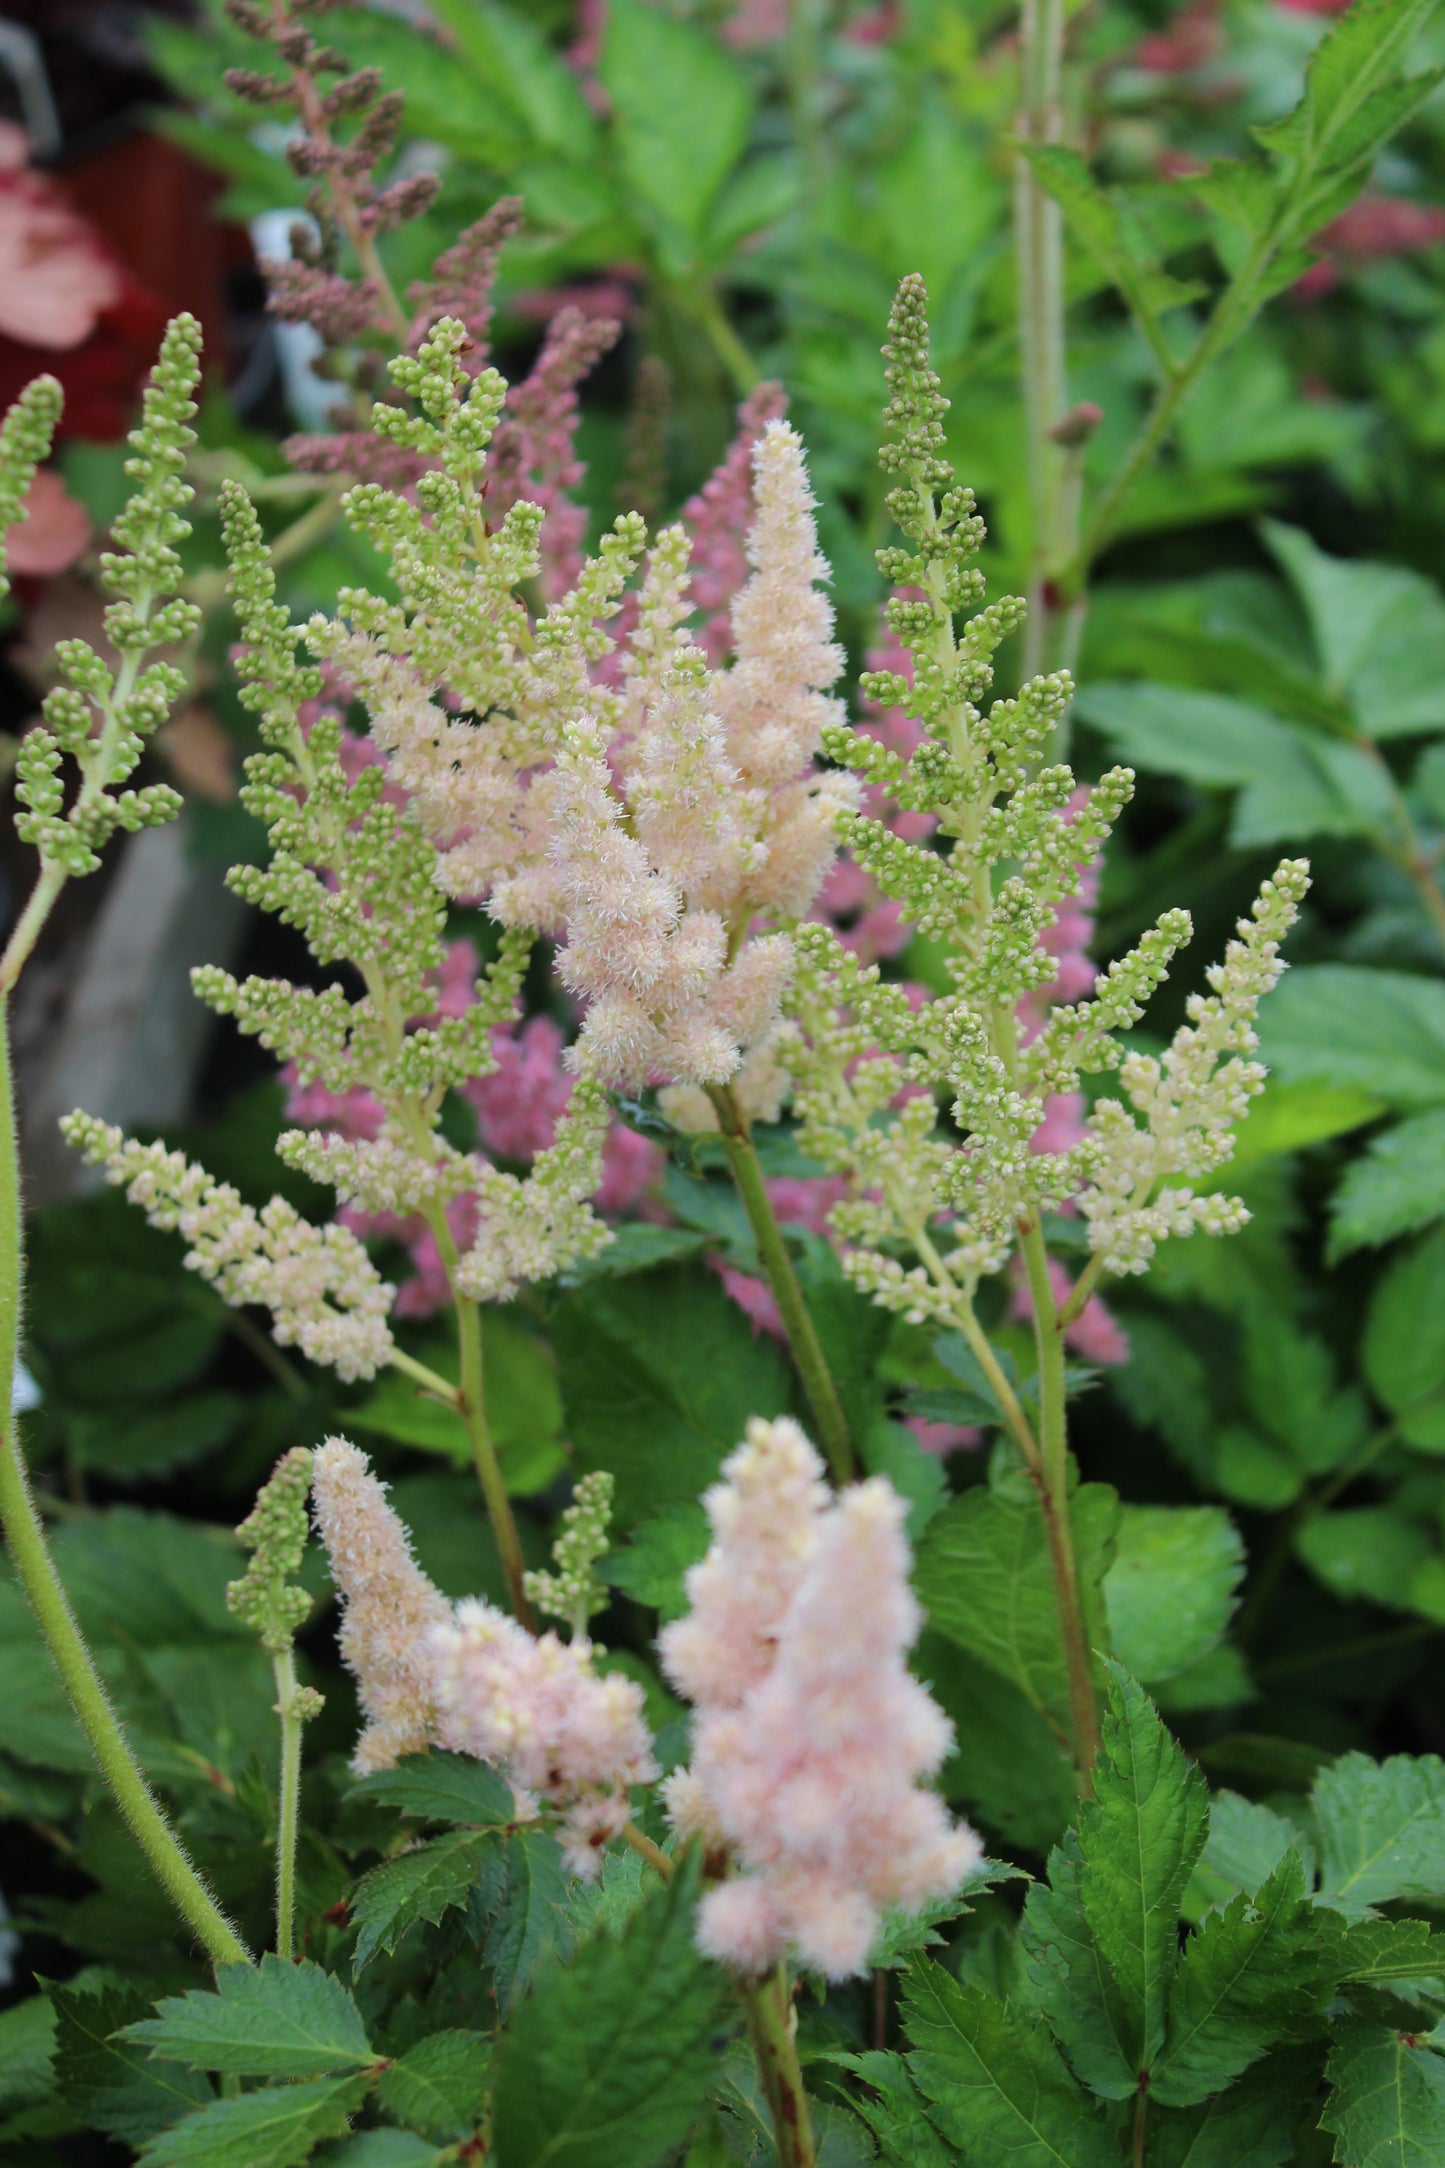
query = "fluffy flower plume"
x=534 y=1707
x=811 y=1736
x=388 y=1606
x=707 y=812
x=764 y=1516
x=324 y=1294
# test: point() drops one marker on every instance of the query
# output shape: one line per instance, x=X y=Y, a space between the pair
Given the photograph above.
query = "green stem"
x=742 y=371
x=1141 y=2125
x=772 y=2029
x=807 y=1352
x=36 y=1568
x=639 y=1842
x=1053 y=1489
x=484 y=1459
x=430 y=1381
x=288 y=1805
x=1039 y=250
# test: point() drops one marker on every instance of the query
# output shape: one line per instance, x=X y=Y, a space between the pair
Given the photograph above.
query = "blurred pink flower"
x=54 y=531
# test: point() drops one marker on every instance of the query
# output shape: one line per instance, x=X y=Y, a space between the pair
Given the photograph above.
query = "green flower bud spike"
x=266 y=1599
x=573 y=1592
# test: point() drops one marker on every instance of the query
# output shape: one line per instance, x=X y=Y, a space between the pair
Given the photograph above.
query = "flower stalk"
x=802 y=1335
x=25 y=1536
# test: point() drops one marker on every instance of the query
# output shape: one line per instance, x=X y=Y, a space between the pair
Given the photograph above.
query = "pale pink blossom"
x=765 y=1514
x=811 y=1736
x=388 y=1606
x=535 y=1708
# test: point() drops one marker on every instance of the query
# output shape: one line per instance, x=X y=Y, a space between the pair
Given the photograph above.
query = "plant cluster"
x=732 y=1154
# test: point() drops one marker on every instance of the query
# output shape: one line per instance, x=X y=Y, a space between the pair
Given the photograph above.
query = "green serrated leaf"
x=1350 y=1024
x=1255 y=2124
x=1375 y=1952
x=1139 y=1838
x=27 y=2053
x=660 y=1372
x=683 y=107
x=1170 y=1592
x=1249 y=1976
x=651 y=1566
x=274 y=2020
x=420 y=1885
x=894 y=2112
x=1387 y=2099
x=439 y=2087
x=984 y=1577
x=531 y=1918
x=276 y=2127
x=1382 y=1830
x=1395 y=1187
x=998 y=2086
x=1246 y=1843
x=607 y=2061
x=1074 y=1987
x=106 y=2079
x=1404 y=1344
x=442 y=1787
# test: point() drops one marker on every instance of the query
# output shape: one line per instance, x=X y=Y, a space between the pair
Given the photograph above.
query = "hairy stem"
x=807 y=1352
x=25 y=1536
x=288 y=1802
x=772 y=2028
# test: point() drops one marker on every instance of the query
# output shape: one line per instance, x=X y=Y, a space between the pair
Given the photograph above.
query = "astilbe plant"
x=936 y=1209
x=585 y=770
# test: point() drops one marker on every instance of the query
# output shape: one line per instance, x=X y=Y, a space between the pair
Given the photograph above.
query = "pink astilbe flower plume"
x=389 y=1607
x=811 y=1736
x=765 y=1515
x=533 y=1706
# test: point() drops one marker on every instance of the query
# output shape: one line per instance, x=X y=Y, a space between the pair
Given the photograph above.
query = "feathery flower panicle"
x=811 y=1736
x=324 y=1294
x=1003 y=881
x=534 y=1707
x=101 y=716
x=389 y=1607
x=765 y=1514
x=683 y=848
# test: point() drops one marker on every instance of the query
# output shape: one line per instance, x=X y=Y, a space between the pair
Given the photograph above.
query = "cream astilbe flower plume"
x=686 y=838
x=389 y=1607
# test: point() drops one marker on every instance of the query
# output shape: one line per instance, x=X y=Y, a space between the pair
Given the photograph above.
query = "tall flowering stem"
x=802 y=1334
x=267 y=1600
x=25 y=1537
x=100 y=719
x=1039 y=257
x=935 y=1211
